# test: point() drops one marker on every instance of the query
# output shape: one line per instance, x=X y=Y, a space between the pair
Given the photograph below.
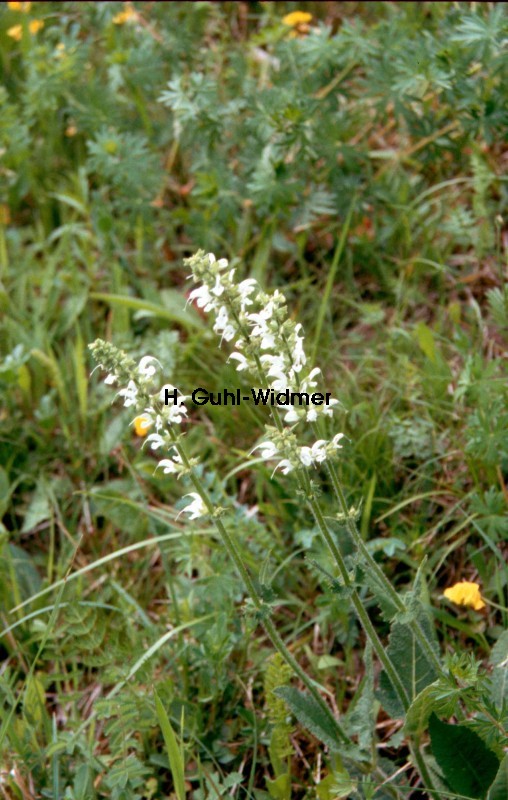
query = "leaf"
x=499 y=788
x=419 y=711
x=361 y=714
x=173 y=309
x=280 y=788
x=414 y=666
x=175 y=756
x=310 y=715
x=34 y=708
x=426 y=342
x=39 y=509
x=499 y=677
x=468 y=766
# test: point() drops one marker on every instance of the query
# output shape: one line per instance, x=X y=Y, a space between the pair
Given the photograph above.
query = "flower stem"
x=376 y=569
x=271 y=631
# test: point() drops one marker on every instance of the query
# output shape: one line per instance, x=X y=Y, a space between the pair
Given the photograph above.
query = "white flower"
x=130 y=394
x=319 y=450
x=242 y=361
x=156 y=441
x=168 y=465
x=285 y=465
x=276 y=363
x=291 y=415
x=268 y=450
x=306 y=456
x=218 y=288
x=336 y=439
x=203 y=298
x=196 y=508
x=111 y=378
x=145 y=368
x=246 y=288
x=222 y=325
x=281 y=382
x=298 y=354
x=177 y=412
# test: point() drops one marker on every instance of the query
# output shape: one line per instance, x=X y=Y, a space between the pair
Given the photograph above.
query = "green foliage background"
x=358 y=163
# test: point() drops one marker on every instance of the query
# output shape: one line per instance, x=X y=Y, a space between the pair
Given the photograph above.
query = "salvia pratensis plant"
x=269 y=346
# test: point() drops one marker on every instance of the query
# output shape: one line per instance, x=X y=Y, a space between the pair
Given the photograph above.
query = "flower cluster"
x=286 y=444
x=140 y=392
x=268 y=344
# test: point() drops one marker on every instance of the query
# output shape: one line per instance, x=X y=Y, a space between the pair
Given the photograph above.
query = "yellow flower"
x=35 y=25
x=297 y=18
x=71 y=130
x=142 y=424
x=16 y=32
x=129 y=14
x=465 y=593
x=23 y=7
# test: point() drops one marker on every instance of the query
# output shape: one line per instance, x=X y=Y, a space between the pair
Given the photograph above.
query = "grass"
x=357 y=166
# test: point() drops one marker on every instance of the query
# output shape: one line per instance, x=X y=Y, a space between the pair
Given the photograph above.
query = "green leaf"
x=419 y=711
x=39 y=509
x=468 y=766
x=414 y=666
x=499 y=788
x=173 y=309
x=499 y=677
x=426 y=342
x=280 y=788
x=362 y=712
x=310 y=715
x=175 y=756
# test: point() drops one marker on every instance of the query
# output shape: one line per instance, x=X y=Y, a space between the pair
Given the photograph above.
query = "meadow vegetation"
x=353 y=157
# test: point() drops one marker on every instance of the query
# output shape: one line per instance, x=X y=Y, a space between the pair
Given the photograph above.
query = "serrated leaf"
x=468 y=766
x=361 y=715
x=499 y=787
x=414 y=666
x=310 y=715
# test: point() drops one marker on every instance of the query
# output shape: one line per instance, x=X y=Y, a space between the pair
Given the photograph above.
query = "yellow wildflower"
x=35 y=25
x=129 y=14
x=297 y=18
x=71 y=130
x=465 y=593
x=16 y=32
x=23 y=7
x=142 y=425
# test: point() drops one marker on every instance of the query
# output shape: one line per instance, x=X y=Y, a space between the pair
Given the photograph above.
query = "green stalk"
x=374 y=566
x=236 y=557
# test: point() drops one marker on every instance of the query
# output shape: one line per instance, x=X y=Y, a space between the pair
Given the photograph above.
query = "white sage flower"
x=130 y=394
x=196 y=508
x=268 y=450
x=145 y=367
